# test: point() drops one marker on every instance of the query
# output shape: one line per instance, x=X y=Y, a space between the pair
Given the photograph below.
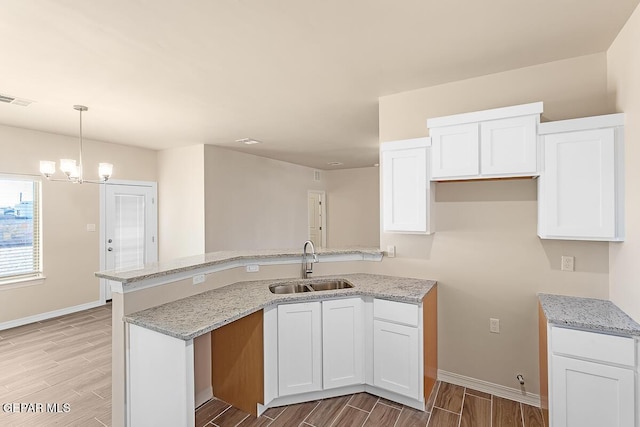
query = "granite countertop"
x=196 y=315
x=590 y=314
x=165 y=268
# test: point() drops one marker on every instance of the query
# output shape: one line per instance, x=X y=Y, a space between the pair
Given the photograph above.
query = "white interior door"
x=130 y=213
x=317 y=220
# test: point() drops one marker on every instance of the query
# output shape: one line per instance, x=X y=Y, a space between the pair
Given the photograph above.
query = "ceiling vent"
x=15 y=101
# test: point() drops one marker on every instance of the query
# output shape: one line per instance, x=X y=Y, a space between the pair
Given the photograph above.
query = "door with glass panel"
x=130 y=227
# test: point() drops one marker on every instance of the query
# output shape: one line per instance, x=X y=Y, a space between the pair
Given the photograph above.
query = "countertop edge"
x=550 y=304
x=125 y=279
x=284 y=299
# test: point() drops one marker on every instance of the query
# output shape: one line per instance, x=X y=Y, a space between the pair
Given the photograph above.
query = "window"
x=19 y=228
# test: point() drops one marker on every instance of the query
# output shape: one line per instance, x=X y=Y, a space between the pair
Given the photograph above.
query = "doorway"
x=317 y=210
x=128 y=228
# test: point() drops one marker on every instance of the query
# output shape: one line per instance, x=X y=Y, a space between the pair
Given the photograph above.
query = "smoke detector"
x=7 y=99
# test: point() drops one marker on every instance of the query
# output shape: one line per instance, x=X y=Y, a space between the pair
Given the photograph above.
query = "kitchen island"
x=268 y=349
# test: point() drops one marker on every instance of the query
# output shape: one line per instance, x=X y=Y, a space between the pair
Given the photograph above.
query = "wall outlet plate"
x=494 y=326
x=391 y=251
x=253 y=268
x=197 y=279
x=567 y=263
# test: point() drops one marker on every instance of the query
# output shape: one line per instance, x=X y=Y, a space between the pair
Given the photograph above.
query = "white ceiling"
x=302 y=76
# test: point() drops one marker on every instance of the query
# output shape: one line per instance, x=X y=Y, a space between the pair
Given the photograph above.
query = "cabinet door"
x=455 y=151
x=577 y=191
x=342 y=342
x=299 y=348
x=508 y=146
x=396 y=357
x=589 y=394
x=404 y=176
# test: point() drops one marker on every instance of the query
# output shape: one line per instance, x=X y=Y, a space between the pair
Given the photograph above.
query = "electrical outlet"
x=494 y=325
x=198 y=279
x=391 y=251
x=566 y=263
x=253 y=268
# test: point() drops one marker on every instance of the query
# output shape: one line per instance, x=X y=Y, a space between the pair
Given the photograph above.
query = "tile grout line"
x=341 y=411
x=435 y=397
x=491 y=411
x=369 y=414
x=242 y=420
x=310 y=412
x=464 y=395
x=399 y=415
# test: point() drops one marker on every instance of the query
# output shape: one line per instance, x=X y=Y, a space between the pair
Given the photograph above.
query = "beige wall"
x=181 y=202
x=485 y=253
x=353 y=207
x=252 y=202
x=623 y=59
x=70 y=253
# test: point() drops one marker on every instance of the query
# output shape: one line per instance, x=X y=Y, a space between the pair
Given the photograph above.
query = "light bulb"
x=68 y=166
x=47 y=168
x=105 y=170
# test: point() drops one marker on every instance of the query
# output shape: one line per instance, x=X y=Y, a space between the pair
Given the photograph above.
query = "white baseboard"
x=49 y=315
x=491 y=388
x=203 y=396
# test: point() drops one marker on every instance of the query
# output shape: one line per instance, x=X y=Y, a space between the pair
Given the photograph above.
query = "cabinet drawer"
x=590 y=345
x=398 y=312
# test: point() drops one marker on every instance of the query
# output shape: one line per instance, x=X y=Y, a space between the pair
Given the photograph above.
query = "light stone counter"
x=594 y=315
x=229 y=259
x=196 y=315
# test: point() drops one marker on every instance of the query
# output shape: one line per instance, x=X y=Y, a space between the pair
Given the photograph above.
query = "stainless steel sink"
x=294 y=288
x=330 y=286
x=289 y=288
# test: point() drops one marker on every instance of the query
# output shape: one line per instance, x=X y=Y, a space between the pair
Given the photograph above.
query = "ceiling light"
x=69 y=167
x=248 y=141
x=335 y=163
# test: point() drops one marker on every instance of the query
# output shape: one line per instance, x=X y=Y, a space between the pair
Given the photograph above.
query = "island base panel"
x=237 y=366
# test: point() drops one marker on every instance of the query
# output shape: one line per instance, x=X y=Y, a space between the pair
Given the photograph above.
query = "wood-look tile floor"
x=68 y=360
x=448 y=406
x=58 y=361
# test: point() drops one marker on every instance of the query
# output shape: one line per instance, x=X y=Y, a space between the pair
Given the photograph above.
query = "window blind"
x=20 y=250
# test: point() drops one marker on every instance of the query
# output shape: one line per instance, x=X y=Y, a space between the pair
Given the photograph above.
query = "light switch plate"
x=494 y=325
x=91 y=227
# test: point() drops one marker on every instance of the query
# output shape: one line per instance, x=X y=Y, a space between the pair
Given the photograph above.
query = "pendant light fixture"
x=69 y=167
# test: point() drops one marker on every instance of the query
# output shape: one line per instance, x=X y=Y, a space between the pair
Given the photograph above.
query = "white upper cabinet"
x=485 y=144
x=580 y=190
x=406 y=191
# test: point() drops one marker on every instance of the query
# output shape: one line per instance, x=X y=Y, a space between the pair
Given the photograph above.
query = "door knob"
x=109 y=249
x=110 y=240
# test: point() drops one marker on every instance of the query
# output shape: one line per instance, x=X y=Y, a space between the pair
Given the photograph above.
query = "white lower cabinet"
x=590 y=394
x=321 y=352
x=342 y=342
x=320 y=345
x=397 y=347
x=396 y=355
x=592 y=379
x=299 y=348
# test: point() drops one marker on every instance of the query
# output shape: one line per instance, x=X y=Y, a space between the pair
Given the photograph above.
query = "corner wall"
x=623 y=60
x=485 y=252
x=71 y=254
x=353 y=207
x=181 y=202
x=253 y=202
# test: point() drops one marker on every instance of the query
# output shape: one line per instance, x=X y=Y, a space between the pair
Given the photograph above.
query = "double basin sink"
x=294 y=288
